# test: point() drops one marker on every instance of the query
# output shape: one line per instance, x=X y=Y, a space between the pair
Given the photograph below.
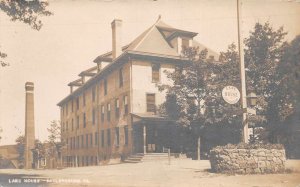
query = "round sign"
x=231 y=94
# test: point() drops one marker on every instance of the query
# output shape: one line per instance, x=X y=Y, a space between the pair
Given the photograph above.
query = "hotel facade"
x=111 y=111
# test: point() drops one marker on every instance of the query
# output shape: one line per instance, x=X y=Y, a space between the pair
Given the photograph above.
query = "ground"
x=181 y=172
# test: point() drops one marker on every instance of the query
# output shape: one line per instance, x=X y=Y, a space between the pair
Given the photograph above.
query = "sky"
x=80 y=30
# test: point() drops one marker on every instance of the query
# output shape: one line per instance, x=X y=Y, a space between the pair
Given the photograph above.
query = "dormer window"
x=185 y=43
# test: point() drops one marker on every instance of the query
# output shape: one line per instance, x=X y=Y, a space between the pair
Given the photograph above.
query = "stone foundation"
x=247 y=161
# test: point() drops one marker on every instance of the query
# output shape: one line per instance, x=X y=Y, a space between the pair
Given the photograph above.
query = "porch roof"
x=151 y=117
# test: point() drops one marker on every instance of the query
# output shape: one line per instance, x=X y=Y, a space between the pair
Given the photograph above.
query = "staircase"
x=135 y=158
x=148 y=157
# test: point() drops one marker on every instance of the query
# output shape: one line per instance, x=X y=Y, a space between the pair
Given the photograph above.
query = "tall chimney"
x=116 y=26
x=29 y=125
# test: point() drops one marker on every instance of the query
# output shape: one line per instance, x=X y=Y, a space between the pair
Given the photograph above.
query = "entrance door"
x=150 y=139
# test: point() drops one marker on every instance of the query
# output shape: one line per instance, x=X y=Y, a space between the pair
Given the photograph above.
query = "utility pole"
x=242 y=74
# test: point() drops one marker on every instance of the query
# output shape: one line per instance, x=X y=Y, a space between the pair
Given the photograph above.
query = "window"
x=102 y=138
x=105 y=86
x=83 y=98
x=102 y=113
x=71 y=143
x=117 y=108
x=93 y=116
x=82 y=143
x=67 y=126
x=77 y=122
x=121 y=77
x=84 y=120
x=150 y=100
x=86 y=141
x=62 y=127
x=87 y=160
x=125 y=102
x=93 y=94
x=91 y=139
x=72 y=106
x=77 y=103
x=67 y=109
x=108 y=137
x=62 y=111
x=155 y=73
x=72 y=124
x=67 y=142
x=117 y=136
x=96 y=138
x=185 y=42
x=108 y=111
x=77 y=142
x=126 y=135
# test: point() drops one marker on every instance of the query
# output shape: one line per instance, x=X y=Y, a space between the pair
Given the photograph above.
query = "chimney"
x=116 y=26
x=29 y=125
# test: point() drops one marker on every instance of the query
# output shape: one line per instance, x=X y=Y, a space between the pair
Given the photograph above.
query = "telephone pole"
x=242 y=74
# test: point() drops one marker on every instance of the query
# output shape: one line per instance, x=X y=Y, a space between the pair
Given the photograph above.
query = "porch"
x=153 y=133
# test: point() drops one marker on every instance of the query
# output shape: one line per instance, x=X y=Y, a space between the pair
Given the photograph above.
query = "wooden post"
x=169 y=156
x=145 y=135
x=198 y=148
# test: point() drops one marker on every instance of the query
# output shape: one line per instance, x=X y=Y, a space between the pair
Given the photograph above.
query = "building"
x=113 y=111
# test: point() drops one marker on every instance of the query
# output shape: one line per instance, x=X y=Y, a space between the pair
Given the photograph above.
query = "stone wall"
x=247 y=161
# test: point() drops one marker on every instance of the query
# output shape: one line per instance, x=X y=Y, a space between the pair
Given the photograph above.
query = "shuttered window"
x=105 y=86
x=155 y=73
x=126 y=135
x=150 y=100
x=117 y=108
x=121 y=77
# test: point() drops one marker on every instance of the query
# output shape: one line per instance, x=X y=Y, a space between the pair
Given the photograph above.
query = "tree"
x=55 y=140
x=191 y=99
x=26 y=11
x=263 y=52
x=38 y=151
x=284 y=106
x=21 y=150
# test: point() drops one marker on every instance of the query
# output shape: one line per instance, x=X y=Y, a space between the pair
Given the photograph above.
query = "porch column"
x=145 y=134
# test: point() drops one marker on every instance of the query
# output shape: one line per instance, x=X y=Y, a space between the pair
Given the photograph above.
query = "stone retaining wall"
x=245 y=161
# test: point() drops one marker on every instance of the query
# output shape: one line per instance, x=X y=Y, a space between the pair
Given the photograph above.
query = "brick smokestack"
x=29 y=125
x=116 y=26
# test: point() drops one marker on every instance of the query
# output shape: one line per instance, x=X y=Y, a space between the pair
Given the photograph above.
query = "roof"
x=151 y=117
x=153 y=42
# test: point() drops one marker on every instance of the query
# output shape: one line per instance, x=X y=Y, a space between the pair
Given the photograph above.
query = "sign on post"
x=231 y=94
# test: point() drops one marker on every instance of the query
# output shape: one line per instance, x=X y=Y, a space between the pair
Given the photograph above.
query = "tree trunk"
x=198 y=147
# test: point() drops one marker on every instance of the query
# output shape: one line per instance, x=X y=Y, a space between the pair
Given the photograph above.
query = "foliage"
x=286 y=98
x=54 y=139
x=21 y=150
x=195 y=96
x=39 y=151
x=2 y=62
x=263 y=52
x=189 y=88
x=26 y=11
